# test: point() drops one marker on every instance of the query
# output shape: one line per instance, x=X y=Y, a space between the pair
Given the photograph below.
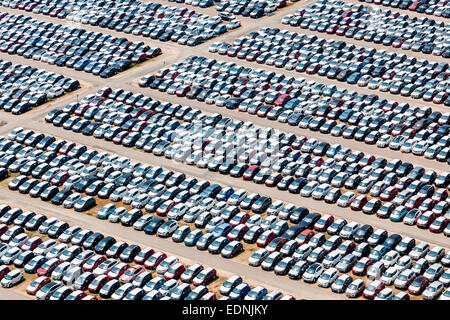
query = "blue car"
x=256 y=293
x=377 y=253
x=240 y=291
x=106 y=211
x=212 y=191
x=398 y=214
x=221 y=230
x=225 y=194
x=192 y=238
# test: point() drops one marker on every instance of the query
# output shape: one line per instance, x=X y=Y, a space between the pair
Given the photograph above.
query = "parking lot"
x=306 y=174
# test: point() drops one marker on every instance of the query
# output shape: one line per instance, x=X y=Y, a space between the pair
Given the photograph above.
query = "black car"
x=91 y=242
x=57 y=229
x=130 y=253
x=62 y=195
x=363 y=233
x=153 y=226
x=104 y=244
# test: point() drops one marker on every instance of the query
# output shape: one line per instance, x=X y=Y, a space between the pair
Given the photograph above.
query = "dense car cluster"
x=148 y=19
x=73 y=263
x=77 y=48
x=299 y=165
x=292 y=239
x=356 y=260
x=374 y=25
x=251 y=8
x=24 y=87
x=438 y=8
x=366 y=67
x=309 y=105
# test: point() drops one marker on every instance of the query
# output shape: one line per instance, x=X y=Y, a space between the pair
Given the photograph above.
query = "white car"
x=390 y=258
x=233 y=24
x=385 y=294
x=177 y=212
x=45 y=247
x=355 y=288
x=328 y=277
x=12 y=278
x=346 y=199
x=313 y=273
x=404 y=279
x=390 y=275
x=433 y=291
x=349 y=229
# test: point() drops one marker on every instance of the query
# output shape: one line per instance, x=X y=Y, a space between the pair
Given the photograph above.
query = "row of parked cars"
x=24 y=87
x=335 y=175
x=308 y=221
x=251 y=8
x=93 y=52
x=290 y=240
x=309 y=105
x=148 y=19
x=390 y=28
x=382 y=70
x=75 y=263
x=438 y=8
x=357 y=260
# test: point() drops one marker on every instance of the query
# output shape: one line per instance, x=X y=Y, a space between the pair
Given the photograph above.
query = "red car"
x=143 y=255
x=4 y=270
x=93 y=262
x=276 y=244
x=60 y=178
x=210 y=296
x=240 y=218
x=426 y=219
x=118 y=270
x=76 y=295
x=373 y=289
x=413 y=202
x=398 y=42
x=48 y=267
x=361 y=266
x=265 y=238
x=205 y=276
x=31 y=244
x=389 y=193
x=118 y=139
x=98 y=283
x=65 y=149
x=37 y=284
x=175 y=271
x=281 y=100
x=273 y=180
x=316 y=161
x=182 y=91
x=346 y=247
x=439 y=224
x=367 y=160
x=251 y=172
x=238 y=232
x=418 y=285
x=165 y=208
x=324 y=222
x=358 y=203
x=440 y=195
x=304 y=236
x=155 y=260
x=130 y=274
